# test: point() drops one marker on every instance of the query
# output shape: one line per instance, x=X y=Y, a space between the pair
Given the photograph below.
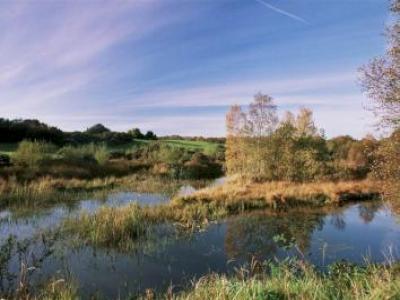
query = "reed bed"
x=49 y=190
x=241 y=194
x=122 y=226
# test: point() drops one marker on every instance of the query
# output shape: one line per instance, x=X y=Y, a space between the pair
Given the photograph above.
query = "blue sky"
x=175 y=66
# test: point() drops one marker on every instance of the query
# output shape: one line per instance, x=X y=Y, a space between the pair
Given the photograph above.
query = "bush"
x=77 y=154
x=87 y=153
x=31 y=154
x=201 y=166
x=101 y=154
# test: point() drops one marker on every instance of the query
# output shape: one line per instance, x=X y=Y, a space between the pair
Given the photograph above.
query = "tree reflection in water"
x=270 y=234
x=368 y=210
x=265 y=235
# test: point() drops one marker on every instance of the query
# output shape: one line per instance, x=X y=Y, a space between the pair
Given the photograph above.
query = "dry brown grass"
x=238 y=191
x=48 y=190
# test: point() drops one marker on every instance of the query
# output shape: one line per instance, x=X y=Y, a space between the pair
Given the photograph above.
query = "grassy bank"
x=47 y=190
x=242 y=194
x=297 y=280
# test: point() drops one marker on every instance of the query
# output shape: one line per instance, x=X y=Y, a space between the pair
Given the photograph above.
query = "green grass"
x=8 y=148
x=207 y=147
x=298 y=280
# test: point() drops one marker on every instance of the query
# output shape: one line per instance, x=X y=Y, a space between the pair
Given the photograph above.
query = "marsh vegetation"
x=99 y=213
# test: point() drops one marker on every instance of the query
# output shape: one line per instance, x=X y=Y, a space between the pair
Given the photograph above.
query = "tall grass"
x=111 y=225
x=241 y=194
x=122 y=227
x=49 y=190
x=32 y=154
x=114 y=227
x=297 y=280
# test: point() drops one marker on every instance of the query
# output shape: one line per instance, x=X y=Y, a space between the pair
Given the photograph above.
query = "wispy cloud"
x=282 y=12
x=241 y=91
x=51 y=49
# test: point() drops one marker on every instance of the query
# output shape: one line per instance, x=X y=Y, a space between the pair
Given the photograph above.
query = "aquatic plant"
x=240 y=194
x=119 y=227
x=110 y=225
x=297 y=280
x=48 y=190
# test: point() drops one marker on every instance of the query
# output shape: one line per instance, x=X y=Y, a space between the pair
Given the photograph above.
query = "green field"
x=8 y=148
x=206 y=147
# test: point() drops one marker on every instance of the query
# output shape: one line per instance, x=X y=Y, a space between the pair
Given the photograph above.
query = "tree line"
x=13 y=131
x=260 y=146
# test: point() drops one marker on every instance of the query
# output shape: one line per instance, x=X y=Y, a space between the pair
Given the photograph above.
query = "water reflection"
x=368 y=210
x=267 y=235
x=320 y=236
x=27 y=223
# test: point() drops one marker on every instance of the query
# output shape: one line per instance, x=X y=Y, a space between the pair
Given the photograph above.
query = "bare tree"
x=262 y=120
x=234 y=139
x=305 y=125
x=381 y=77
x=381 y=81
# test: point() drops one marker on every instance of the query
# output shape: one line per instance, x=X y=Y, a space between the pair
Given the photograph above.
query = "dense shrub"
x=86 y=153
x=201 y=166
x=31 y=154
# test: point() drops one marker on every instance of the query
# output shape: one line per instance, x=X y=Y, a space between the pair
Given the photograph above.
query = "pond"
x=355 y=233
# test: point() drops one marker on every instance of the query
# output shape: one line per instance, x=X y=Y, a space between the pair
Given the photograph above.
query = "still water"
x=355 y=233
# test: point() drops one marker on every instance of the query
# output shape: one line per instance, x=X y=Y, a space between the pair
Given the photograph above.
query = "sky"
x=175 y=66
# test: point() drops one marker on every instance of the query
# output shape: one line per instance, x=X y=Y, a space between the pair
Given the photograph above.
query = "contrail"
x=282 y=12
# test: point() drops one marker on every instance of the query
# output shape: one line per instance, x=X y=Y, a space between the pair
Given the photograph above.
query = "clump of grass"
x=53 y=289
x=57 y=289
x=297 y=280
x=122 y=227
x=240 y=194
x=109 y=225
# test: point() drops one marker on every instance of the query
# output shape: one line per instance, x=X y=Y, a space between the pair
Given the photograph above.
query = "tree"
x=260 y=147
x=381 y=81
x=150 y=135
x=98 y=129
x=262 y=122
x=136 y=133
x=381 y=77
x=304 y=123
x=234 y=155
